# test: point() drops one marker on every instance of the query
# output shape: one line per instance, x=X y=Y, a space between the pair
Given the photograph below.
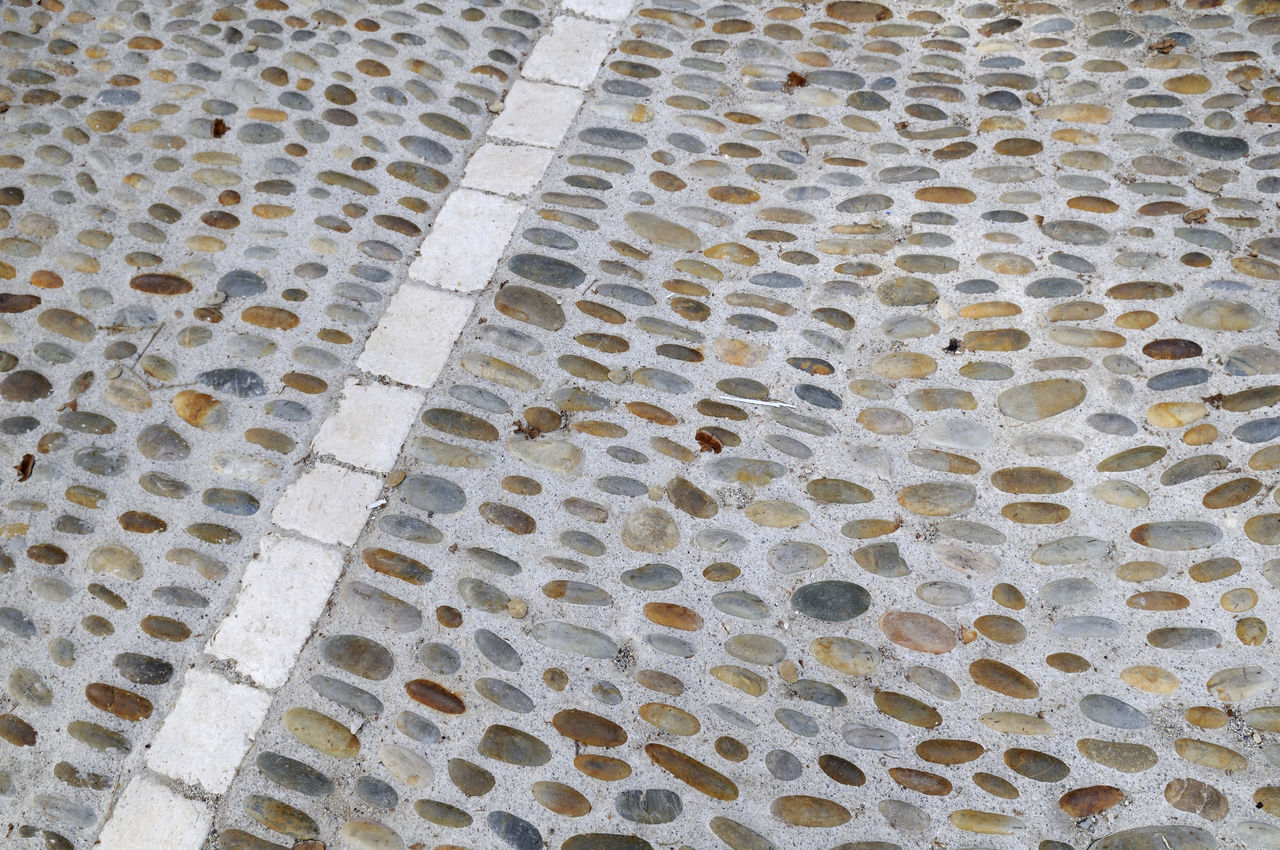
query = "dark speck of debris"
x=25 y=467
x=219 y=128
x=953 y=347
x=795 y=81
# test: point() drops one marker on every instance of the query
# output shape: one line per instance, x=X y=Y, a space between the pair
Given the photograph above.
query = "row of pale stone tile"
x=214 y=719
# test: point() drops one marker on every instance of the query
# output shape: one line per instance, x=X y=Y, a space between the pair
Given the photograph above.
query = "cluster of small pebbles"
x=868 y=442
x=204 y=207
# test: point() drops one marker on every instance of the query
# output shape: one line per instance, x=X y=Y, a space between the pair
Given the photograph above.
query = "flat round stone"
x=650 y=530
x=831 y=601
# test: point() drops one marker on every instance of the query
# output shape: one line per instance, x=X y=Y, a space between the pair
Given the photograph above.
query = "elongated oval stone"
x=589 y=729
x=938 y=498
x=918 y=632
x=1111 y=711
x=1036 y=765
x=1002 y=678
x=1177 y=536
x=435 y=695
x=1118 y=755
x=1171 y=837
x=662 y=232
x=321 y=733
x=692 y=772
x=1239 y=683
x=807 y=811
x=122 y=703
x=579 y=640
x=605 y=841
x=1041 y=399
x=561 y=799
x=513 y=746
x=907 y=709
x=847 y=655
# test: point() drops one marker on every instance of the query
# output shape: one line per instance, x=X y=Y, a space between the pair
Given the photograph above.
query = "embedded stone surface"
x=865 y=437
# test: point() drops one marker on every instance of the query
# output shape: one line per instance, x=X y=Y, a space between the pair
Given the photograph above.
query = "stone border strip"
x=211 y=726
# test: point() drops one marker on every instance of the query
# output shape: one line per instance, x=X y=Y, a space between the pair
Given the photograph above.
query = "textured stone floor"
x=867 y=439
x=204 y=208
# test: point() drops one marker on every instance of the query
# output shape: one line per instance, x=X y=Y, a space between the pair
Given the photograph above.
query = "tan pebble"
x=1212 y=756
x=849 y=656
x=1199 y=798
x=1251 y=631
x=1239 y=600
x=907 y=709
x=946 y=195
x=947 y=751
x=1200 y=435
x=986 y=823
x=1015 y=723
x=518 y=608
x=1001 y=678
x=806 y=811
x=1175 y=414
x=921 y=781
x=990 y=310
x=669 y=719
x=200 y=409
x=1239 y=683
x=1207 y=717
x=1136 y=320
x=919 y=632
x=747 y=681
x=1122 y=494
x=1188 y=84
x=1152 y=680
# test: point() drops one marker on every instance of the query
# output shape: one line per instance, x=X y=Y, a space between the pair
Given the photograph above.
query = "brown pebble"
x=123 y=704
x=434 y=695
x=1083 y=802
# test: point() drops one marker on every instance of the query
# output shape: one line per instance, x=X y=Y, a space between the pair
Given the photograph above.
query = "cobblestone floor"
x=205 y=207
x=866 y=441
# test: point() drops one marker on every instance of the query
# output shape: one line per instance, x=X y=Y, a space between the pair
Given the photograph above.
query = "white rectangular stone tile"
x=369 y=426
x=327 y=503
x=149 y=815
x=208 y=732
x=536 y=113
x=466 y=241
x=412 y=341
x=571 y=53
x=283 y=593
x=609 y=10
x=506 y=169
